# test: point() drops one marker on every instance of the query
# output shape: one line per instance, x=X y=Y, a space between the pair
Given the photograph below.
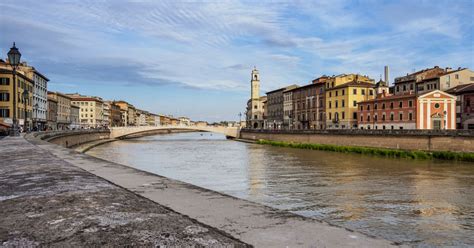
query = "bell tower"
x=255 y=84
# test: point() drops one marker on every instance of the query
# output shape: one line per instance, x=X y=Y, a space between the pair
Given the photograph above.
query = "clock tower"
x=255 y=84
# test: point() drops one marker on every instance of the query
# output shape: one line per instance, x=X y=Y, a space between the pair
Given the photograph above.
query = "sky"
x=194 y=58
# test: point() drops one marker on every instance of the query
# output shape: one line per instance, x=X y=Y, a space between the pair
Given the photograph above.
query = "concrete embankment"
x=422 y=140
x=46 y=201
x=226 y=219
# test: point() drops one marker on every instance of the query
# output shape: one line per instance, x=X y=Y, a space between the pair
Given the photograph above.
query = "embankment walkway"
x=46 y=199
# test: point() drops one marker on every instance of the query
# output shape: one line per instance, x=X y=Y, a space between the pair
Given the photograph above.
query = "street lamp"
x=35 y=110
x=14 y=60
x=25 y=95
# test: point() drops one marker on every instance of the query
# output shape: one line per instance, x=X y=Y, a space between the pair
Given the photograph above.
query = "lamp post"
x=35 y=120
x=25 y=95
x=14 y=60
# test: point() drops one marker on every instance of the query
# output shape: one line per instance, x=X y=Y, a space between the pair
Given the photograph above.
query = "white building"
x=40 y=95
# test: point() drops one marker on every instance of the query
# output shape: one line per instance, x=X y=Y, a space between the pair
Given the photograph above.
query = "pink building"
x=436 y=110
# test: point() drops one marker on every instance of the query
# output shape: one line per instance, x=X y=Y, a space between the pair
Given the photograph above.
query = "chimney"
x=386 y=74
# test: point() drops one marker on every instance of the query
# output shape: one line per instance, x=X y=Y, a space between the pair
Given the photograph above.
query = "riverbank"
x=390 y=153
x=46 y=201
x=229 y=217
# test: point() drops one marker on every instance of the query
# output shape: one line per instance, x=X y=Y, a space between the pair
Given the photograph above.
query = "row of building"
x=433 y=98
x=40 y=109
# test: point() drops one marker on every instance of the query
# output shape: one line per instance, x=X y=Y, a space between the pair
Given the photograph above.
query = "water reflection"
x=416 y=202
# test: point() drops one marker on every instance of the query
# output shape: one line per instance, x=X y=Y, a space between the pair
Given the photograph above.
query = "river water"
x=418 y=203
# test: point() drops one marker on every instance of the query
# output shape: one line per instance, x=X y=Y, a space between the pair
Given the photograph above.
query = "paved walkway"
x=46 y=201
x=250 y=222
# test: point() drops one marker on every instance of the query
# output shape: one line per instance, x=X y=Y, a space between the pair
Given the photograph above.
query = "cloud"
x=214 y=45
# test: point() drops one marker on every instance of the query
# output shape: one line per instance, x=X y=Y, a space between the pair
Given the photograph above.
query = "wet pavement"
x=46 y=201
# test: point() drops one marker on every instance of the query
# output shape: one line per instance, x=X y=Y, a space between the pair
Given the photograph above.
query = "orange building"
x=433 y=110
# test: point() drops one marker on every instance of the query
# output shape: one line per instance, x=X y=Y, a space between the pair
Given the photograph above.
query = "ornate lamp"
x=14 y=57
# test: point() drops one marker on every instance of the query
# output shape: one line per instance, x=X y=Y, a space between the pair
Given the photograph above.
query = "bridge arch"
x=122 y=132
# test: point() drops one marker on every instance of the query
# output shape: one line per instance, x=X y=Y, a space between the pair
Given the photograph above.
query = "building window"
x=342 y=103
x=383 y=117
x=368 y=107
x=337 y=93
x=401 y=116
x=410 y=104
x=398 y=88
x=410 y=116
x=4 y=112
x=371 y=92
x=343 y=92
x=363 y=92
x=361 y=108
x=375 y=106
x=4 y=97
x=4 y=81
x=436 y=105
x=391 y=105
x=368 y=118
x=330 y=116
x=383 y=105
x=400 y=104
x=361 y=118
x=336 y=104
x=343 y=115
x=354 y=116
x=404 y=87
x=375 y=117
x=456 y=76
x=354 y=103
x=330 y=94
x=330 y=104
x=391 y=116
x=354 y=91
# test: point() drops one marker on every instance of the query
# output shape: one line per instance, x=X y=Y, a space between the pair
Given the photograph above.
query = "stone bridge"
x=121 y=132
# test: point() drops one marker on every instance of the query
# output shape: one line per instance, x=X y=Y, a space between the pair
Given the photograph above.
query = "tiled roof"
x=353 y=84
x=463 y=88
x=389 y=98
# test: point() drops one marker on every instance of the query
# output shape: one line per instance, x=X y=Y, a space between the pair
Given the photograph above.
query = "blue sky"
x=194 y=58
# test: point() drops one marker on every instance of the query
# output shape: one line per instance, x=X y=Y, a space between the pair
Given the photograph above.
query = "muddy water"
x=419 y=203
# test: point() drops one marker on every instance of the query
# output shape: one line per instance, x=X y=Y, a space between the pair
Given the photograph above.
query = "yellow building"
x=63 y=110
x=128 y=113
x=343 y=92
x=91 y=110
x=6 y=97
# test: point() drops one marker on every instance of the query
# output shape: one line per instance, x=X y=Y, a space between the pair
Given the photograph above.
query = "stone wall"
x=73 y=138
x=405 y=140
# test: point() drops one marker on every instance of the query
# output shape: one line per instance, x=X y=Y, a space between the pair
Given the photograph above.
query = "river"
x=418 y=203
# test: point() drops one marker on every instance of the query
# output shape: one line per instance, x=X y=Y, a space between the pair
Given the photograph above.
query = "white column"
x=445 y=116
x=420 y=113
x=428 y=113
x=453 y=113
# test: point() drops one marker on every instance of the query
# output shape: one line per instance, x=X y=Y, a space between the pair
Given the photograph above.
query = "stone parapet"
x=426 y=140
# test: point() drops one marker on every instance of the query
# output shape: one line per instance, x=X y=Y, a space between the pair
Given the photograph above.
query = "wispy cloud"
x=214 y=44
